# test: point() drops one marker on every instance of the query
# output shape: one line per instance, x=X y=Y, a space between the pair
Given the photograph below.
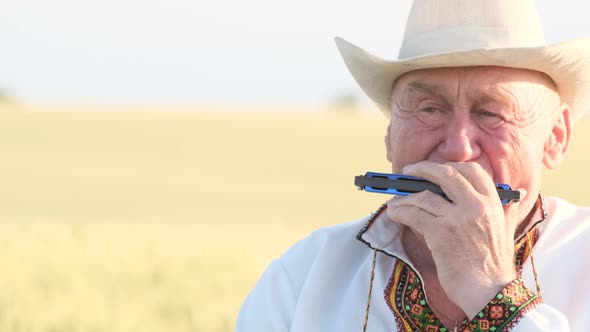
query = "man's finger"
x=428 y=201
x=411 y=216
x=452 y=182
x=481 y=181
x=417 y=211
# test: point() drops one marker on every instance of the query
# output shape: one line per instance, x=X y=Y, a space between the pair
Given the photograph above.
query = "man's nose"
x=460 y=141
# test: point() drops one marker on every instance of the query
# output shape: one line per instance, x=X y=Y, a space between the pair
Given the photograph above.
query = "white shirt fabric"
x=322 y=282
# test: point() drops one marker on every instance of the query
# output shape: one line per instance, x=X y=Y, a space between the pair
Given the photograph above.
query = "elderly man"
x=475 y=99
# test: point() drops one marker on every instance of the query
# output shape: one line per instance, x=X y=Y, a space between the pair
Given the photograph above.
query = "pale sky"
x=230 y=51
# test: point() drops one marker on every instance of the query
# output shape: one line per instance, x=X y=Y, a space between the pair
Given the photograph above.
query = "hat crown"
x=444 y=26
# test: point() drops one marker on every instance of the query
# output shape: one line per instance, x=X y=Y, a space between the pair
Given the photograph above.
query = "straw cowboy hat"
x=454 y=33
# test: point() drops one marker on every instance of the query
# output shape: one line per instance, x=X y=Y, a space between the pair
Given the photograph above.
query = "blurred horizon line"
x=189 y=107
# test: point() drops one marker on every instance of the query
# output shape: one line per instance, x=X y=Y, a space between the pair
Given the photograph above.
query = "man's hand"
x=471 y=238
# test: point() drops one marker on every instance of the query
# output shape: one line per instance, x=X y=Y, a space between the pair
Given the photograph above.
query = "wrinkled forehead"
x=472 y=80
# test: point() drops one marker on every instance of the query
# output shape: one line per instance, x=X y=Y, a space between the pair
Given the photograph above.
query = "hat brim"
x=567 y=63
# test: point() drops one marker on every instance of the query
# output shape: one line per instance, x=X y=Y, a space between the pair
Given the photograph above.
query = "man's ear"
x=387 y=143
x=558 y=141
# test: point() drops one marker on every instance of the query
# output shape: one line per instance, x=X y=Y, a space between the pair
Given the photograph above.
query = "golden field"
x=163 y=219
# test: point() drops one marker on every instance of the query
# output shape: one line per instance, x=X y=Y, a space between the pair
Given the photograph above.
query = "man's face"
x=500 y=118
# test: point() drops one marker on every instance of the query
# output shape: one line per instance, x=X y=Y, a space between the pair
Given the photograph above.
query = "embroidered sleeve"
x=505 y=310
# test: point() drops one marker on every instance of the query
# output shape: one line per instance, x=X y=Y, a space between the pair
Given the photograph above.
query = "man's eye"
x=489 y=114
x=491 y=119
x=431 y=115
x=430 y=110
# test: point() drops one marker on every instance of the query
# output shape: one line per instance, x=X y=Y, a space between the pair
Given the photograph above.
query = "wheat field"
x=162 y=219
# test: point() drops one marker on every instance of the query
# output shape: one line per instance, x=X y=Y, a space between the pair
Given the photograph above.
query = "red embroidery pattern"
x=505 y=310
x=405 y=296
x=522 y=251
x=406 y=299
x=393 y=293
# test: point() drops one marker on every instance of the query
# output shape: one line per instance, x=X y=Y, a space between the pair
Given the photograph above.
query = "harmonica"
x=403 y=185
